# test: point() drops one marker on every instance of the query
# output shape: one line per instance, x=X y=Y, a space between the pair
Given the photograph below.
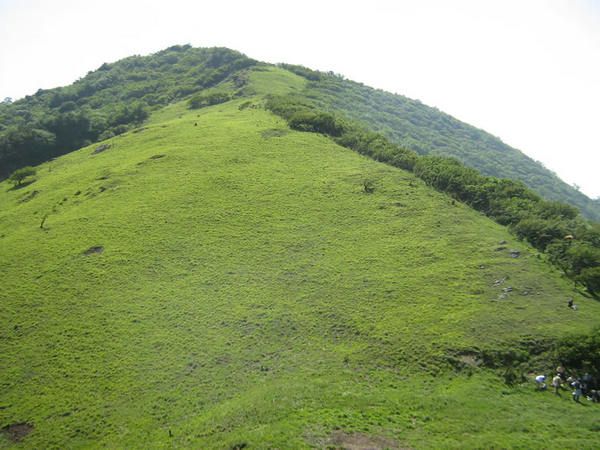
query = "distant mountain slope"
x=214 y=279
x=427 y=130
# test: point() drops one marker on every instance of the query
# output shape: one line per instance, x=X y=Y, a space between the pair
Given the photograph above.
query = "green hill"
x=120 y=95
x=215 y=279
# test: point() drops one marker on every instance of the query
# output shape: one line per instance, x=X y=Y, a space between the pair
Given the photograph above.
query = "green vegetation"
x=581 y=352
x=572 y=243
x=208 y=99
x=429 y=131
x=231 y=283
x=19 y=175
x=213 y=276
x=119 y=96
x=108 y=101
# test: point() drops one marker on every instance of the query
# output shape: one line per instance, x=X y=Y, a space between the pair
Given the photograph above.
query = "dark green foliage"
x=513 y=377
x=19 y=175
x=571 y=243
x=504 y=358
x=580 y=353
x=134 y=113
x=20 y=145
x=71 y=130
x=558 y=209
x=449 y=175
x=286 y=105
x=540 y=232
x=590 y=278
x=377 y=147
x=305 y=72
x=302 y=117
x=107 y=102
x=207 y=99
x=318 y=122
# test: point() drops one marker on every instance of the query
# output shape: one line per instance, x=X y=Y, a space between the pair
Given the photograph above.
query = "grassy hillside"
x=119 y=96
x=108 y=101
x=214 y=279
x=427 y=130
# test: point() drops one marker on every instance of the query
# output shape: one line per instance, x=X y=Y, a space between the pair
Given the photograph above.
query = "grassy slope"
x=250 y=292
x=430 y=131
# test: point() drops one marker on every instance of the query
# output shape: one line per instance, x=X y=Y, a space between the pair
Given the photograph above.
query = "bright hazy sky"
x=527 y=71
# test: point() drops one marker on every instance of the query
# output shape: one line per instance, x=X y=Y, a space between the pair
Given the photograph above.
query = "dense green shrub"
x=21 y=144
x=580 y=352
x=134 y=113
x=319 y=122
x=305 y=72
x=590 y=278
x=19 y=175
x=207 y=99
x=377 y=147
x=540 y=232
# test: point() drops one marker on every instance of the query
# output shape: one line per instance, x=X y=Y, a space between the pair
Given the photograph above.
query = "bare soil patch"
x=274 y=132
x=17 y=431
x=101 y=148
x=359 y=441
x=94 y=250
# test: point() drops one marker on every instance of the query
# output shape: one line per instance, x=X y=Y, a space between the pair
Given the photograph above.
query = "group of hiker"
x=585 y=385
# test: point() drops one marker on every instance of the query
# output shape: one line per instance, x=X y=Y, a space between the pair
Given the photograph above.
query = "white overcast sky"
x=527 y=71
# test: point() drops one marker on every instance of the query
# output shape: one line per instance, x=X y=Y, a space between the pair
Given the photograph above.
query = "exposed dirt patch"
x=465 y=359
x=274 y=132
x=94 y=250
x=17 y=431
x=469 y=360
x=360 y=441
x=152 y=158
x=101 y=148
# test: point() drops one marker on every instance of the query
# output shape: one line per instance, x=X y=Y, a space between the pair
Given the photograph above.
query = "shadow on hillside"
x=587 y=294
x=17 y=187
